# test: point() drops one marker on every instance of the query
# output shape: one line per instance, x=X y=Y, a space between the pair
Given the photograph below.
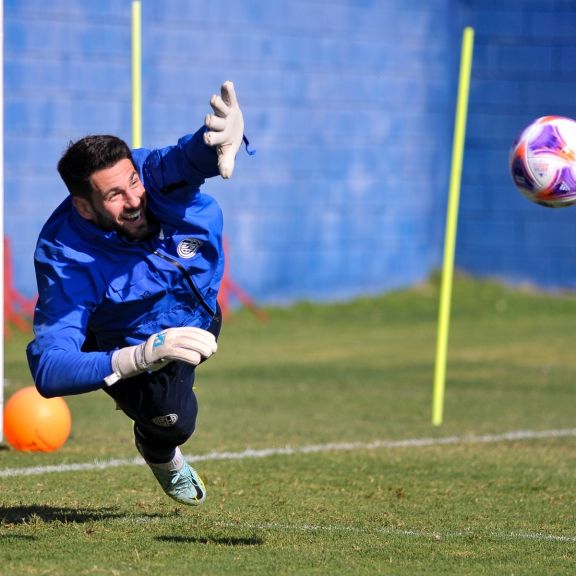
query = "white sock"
x=175 y=464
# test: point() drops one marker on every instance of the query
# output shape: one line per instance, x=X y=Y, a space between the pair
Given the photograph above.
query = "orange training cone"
x=33 y=423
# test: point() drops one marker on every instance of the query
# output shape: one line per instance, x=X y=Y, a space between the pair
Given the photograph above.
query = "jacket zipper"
x=189 y=281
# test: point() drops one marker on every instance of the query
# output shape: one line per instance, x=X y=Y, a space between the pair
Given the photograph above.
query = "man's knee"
x=175 y=428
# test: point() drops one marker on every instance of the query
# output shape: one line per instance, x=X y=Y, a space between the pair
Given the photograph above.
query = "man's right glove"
x=187 y=344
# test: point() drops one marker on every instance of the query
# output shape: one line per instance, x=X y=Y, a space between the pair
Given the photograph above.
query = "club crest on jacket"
x=188 y=247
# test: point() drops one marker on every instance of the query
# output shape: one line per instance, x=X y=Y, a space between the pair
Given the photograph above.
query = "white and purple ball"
x=543 y=162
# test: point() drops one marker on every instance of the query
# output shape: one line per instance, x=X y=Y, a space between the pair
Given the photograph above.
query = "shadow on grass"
x=38 y=513
x=218 y=540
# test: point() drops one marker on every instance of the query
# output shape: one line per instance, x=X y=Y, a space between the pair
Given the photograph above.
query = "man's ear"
x=83 y=207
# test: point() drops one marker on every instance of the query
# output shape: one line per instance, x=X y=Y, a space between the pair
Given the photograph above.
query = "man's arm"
x=60 y=368
x=59 y=371
x=186 y=164
x=208 y=152
x=67 y=295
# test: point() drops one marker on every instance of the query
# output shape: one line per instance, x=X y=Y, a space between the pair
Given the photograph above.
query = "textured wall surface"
x=66 y=74
x=350 y=106
x=524 y=68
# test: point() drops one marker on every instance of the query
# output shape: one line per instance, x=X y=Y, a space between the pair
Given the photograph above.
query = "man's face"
x=118 y=201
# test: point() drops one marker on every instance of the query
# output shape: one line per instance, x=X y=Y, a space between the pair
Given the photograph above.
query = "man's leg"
x=163 y=407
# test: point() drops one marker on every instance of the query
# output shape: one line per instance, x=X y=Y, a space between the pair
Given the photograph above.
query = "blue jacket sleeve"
x=187 y=164
x=58 y=364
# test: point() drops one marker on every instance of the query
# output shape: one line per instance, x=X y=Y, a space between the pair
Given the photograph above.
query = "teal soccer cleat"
x=183 y=485
x=178 y=479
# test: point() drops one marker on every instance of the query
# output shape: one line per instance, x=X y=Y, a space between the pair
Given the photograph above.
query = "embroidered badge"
x=165 y=421
x=188 y=247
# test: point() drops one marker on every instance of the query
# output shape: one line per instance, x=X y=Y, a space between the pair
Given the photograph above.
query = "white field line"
x=435 y=535
x=518 y=435
x=382 y=530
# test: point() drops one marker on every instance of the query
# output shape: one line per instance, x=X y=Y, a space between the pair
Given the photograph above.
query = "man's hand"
x=225 y=128
x=190 y=345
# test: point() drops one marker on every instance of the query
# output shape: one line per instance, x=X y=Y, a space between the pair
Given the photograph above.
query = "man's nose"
x=133 y=198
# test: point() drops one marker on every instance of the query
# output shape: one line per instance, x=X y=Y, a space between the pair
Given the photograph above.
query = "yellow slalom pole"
x=451 y=225
x=136 y=74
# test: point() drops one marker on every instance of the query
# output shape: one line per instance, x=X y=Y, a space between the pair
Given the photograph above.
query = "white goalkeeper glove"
x=189 y=345
x=225 y=128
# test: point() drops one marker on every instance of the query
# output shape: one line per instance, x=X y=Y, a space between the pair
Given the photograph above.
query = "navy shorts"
x=162 y=405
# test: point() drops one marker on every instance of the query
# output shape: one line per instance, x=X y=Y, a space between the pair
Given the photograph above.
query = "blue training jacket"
x=99 y=291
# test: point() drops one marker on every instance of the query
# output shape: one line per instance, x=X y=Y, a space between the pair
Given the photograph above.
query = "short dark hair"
x=88 y=155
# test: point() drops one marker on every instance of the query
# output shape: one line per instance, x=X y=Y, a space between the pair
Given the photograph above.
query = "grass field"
x=316 y=445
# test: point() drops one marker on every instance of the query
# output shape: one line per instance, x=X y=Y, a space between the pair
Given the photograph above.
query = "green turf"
x=311 y=375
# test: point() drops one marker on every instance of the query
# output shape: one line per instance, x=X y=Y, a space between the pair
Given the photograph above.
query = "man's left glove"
x=188 y=344
x=225 y=128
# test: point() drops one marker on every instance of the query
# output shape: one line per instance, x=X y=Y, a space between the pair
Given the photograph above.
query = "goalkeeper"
x=128 y=269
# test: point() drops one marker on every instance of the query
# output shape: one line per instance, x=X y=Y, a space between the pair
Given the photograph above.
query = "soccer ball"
x=36 y=424
x=543 y=161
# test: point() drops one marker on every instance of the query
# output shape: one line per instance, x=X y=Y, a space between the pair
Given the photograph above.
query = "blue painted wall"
x=524 y=68
x=350 y=105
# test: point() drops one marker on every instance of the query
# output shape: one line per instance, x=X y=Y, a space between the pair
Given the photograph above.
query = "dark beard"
x=143 y=232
